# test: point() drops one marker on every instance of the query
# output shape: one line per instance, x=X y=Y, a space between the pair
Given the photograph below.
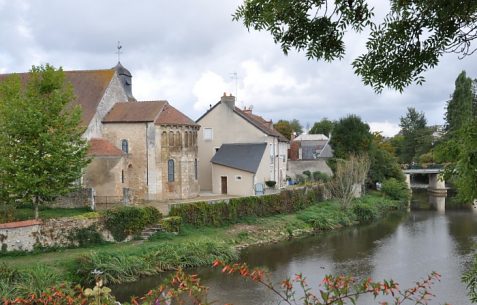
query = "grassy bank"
x=194 y=246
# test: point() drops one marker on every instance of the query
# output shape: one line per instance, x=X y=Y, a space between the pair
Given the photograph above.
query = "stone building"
x=224 y=124
x=140 y=150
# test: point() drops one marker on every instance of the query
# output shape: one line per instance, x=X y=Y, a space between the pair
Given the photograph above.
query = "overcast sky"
x=186 y=51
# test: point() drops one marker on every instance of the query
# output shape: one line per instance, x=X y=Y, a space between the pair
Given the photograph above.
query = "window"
x=122 y=176
x=195 y=169
x=238 y=178
x=170 y=170
x=125 y=146
x=208 y=134
x=164 y=139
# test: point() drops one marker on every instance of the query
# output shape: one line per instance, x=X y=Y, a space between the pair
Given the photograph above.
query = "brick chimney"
x=228 y=100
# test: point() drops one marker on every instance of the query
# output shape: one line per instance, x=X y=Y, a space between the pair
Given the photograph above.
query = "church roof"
x=134 y=112
x=89 y=87
x=99 y=147
x=159 y=112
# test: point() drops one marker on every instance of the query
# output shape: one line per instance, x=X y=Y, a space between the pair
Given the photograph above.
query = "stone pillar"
x=408 y=180
x=437 y=185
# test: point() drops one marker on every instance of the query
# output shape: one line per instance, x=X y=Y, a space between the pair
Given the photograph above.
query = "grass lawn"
x=26 y=213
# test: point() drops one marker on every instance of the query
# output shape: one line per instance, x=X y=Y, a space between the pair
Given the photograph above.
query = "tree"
x=410 y=39
x=283 y=127
x=459 y=145
x=384 y=164
x=351 y=136
x=460 y=107
x=324 y=126
x=296 y=126
x=42 y=150
x=417 y=137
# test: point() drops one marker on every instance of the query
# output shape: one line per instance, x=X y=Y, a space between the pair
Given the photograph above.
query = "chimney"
x=228 y=100
x=247 y=111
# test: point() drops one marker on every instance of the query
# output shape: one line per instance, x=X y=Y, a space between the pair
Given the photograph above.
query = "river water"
x=405 y=247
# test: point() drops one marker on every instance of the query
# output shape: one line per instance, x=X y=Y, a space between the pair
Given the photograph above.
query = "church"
x=140 y=150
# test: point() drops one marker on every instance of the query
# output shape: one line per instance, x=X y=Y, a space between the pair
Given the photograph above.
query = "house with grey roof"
x=239 y=135
x=239 y=166
x=309 y=152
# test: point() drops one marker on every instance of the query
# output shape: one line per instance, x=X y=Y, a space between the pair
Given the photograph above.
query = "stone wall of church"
x=105 y=174
x=135 y=161
x=113 y=94
x=179 y=145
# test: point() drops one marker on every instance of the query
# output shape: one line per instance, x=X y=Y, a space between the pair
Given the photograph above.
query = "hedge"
x=221 y=213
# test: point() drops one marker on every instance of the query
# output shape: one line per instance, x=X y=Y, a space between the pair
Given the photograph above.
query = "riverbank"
x=126 y=262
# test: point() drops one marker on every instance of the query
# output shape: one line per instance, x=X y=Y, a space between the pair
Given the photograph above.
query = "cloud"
x=386 y=128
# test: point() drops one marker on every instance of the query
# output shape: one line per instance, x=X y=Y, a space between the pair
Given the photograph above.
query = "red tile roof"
x=133 y=112
x=262 y=124
x=159 y=112
x=103 y=148
x=172 y=116
x=20 y=224
x=88 y=86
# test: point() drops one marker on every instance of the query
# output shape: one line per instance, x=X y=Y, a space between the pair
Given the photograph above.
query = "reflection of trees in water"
x=462 y=228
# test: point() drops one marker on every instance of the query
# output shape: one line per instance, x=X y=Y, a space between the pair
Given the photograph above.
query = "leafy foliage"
x=351 y=136
x=221 y=213
x=42 y=152
x=409 y=41
x=287 y=128
x=396 y=189
x=84 y=237
x=324 y=126
x=124 y=221
x=417 y=137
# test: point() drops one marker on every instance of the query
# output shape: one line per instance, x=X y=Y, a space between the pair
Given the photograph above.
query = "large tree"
x=42 y=150
x=351 y=136
x=459 y=145
x=417 y=137
x=283 y=127
x=410 y=39
x=460 y=107
x=324 y=126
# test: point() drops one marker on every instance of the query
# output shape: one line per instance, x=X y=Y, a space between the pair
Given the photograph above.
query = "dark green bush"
x=365 y=213
x=126 y=220
x=86 y=237
x=319 y=176
x=307 y=173
x=171 y=224
x=221 y=213
x=396 y=189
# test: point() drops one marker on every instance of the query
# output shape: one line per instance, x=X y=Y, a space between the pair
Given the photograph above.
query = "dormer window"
x=125 y=146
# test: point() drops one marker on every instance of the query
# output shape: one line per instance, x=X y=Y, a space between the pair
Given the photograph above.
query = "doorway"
x=223 y=181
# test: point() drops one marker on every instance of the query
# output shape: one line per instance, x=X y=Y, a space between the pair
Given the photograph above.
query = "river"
x=405 y=247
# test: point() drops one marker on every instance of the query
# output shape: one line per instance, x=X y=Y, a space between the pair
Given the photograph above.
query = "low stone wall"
x=26 y=235
x=299 y=166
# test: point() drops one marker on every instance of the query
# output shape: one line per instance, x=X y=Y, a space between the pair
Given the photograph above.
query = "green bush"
x=126 y=220
x=396 y=189
x=365 y=213
x=319 y=176
x=307 y=173
x=171 y=224
x=221 y=213
x=85 y=237
x=326 y=216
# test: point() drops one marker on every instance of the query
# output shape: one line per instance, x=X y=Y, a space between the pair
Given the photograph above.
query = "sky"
x=187 y=52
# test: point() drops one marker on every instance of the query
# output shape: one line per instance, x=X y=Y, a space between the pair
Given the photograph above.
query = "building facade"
x=226 y=124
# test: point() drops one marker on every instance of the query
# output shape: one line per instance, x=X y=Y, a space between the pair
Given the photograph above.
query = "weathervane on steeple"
x=119 y=47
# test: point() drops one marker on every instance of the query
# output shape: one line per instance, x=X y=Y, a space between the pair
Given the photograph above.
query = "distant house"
x=309 y=152
x=310 y=147
x=139 y=150
x=231 y=142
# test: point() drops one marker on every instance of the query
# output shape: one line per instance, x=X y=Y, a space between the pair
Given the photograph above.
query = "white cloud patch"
x=386 y=128
x=208 y=90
